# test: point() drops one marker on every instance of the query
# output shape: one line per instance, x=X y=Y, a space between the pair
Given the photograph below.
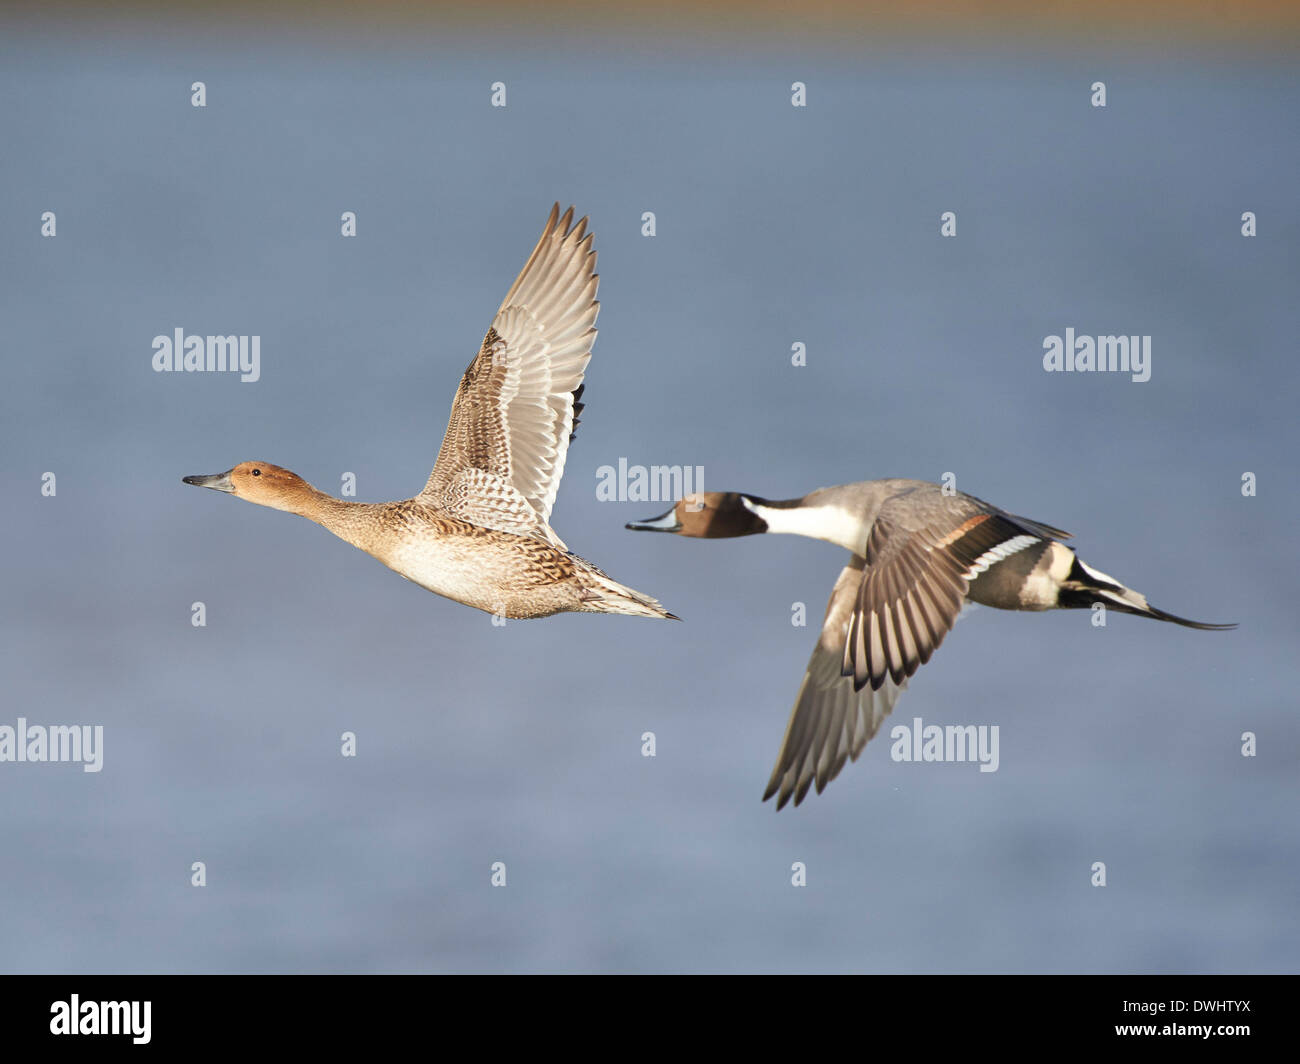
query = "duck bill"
x=215 y=481
x=663 y=523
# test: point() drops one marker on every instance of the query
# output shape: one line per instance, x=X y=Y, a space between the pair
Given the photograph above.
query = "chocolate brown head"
x=707 y=515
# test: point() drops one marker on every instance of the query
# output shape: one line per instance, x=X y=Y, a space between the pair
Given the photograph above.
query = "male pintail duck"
x=917 y=555
x=479 y=532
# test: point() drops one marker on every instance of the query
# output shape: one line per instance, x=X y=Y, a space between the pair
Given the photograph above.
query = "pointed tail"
x=1085 y=585
x=600 y=594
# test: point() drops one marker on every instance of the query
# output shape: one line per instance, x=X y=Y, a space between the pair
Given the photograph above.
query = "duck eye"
x=257 y=472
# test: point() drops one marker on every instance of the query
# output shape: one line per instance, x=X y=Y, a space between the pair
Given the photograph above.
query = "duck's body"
x=479 y=532
x=918 y=552
x=1026 y=572
x=499 y=572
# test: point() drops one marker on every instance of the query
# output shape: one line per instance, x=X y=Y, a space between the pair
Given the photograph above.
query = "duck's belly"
x=506 y=576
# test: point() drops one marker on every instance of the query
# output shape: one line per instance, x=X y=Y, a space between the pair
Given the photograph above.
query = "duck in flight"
x=917 y=555
x=480 y=530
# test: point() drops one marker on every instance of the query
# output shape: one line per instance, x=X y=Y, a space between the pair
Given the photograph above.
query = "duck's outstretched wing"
x=887 y=615
x=517 y=405
x=831 y=721
x=920 y=561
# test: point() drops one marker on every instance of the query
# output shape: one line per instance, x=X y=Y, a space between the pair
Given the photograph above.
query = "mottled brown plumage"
x=480 y=530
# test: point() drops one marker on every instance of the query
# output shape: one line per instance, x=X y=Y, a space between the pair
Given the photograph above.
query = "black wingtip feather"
x=577 y=409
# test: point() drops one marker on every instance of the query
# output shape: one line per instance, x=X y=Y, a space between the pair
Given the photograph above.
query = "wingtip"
x=776 y=790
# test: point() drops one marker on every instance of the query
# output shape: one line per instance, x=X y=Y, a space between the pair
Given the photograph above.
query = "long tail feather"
x=1147 y=610
x=1085 y=585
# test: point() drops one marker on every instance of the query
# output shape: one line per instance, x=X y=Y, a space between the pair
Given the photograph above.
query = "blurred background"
x=775 y=225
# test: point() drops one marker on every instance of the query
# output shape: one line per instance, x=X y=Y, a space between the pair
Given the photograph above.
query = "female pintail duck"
x=479 y=532
x=917 y=555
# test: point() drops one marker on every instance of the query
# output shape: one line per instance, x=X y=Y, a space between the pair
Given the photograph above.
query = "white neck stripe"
x=830 y=523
